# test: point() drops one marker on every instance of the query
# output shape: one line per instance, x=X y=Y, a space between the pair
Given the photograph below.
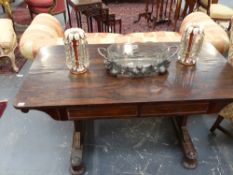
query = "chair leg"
x=68 y=11
x=177 y=13
x=12 y=59
x=31 y=13
x=230 y=24
x=224 y=131
x=216 y=124
x=64 y=15
x=120 y=26
x=89 y=24
x=113 y=26
x=3 y=9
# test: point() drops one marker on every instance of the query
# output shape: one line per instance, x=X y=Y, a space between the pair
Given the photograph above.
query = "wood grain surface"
x=204 y=88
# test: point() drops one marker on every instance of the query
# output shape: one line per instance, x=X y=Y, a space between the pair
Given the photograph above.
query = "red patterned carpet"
x=128 y=12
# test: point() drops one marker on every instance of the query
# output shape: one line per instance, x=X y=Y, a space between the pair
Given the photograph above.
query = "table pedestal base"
x=76 y=164
x=180 y=123
x=190 y=154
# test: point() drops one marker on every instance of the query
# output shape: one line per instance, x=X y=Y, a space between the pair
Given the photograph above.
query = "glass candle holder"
x=77 y=57
x=191 y=43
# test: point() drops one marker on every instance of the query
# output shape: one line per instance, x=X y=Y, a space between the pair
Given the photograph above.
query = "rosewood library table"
x=184 y=90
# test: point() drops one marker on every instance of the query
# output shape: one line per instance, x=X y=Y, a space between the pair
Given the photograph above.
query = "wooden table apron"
x=202 y=89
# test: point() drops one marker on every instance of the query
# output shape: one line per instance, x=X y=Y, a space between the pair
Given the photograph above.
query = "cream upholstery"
x=211 y=29
x=45 y=30
x=216 y=11
x=8 y=41
x=219 y=11
x=107 y=38
x=205 y=2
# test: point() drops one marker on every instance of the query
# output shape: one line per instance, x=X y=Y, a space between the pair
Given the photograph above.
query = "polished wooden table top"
x=49 y=83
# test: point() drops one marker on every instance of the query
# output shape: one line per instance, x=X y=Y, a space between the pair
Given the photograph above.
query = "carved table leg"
x=77 y=167
x=190 y=154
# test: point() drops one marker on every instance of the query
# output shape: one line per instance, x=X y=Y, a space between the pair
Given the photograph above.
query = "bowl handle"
x=173 y=53
x=103 y=52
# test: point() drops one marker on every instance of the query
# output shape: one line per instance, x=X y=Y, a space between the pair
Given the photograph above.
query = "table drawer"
x=108 y=111
x=174 y=108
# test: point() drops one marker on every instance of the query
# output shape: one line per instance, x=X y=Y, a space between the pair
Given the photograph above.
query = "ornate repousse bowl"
x=137 y=59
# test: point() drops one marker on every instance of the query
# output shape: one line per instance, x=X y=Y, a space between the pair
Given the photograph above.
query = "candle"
x=75 y=47
x=77 y=57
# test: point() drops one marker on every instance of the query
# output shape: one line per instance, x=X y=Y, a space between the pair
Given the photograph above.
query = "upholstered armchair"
x=215 y=10
x=45 y=30
x=52 y=7
x=226 y=112
x=8 y=41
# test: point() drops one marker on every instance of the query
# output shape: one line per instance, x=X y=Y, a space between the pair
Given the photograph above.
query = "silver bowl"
x=137 y=59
